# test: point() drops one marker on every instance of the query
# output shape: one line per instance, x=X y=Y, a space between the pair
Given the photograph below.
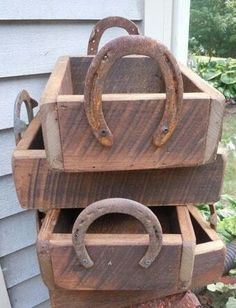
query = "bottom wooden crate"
x=191 y=254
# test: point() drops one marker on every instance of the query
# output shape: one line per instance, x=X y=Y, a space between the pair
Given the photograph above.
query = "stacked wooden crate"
x=119 y=182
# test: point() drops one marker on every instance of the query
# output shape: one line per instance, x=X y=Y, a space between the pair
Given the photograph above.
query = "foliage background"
x=213 y=28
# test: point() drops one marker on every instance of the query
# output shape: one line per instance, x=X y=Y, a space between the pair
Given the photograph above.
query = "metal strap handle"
x=104 y=24
x=30 y=103
x=123 y=206
x=102 y=63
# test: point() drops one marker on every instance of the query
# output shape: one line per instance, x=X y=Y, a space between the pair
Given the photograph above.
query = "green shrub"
x=219 y=72
x=213 y=28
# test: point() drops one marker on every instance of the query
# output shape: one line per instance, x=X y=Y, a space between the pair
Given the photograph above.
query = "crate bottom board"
x=60 y=298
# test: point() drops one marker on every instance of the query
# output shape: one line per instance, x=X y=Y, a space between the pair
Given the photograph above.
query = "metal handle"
x=109 y=22
x=30 y=103
x=123 y=206
x=102 y=63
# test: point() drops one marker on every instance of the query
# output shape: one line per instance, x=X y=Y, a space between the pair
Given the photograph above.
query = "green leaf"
x=228 y=77
x=211 y=74
x=231 y=303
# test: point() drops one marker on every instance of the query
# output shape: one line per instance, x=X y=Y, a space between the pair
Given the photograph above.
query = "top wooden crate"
x=158 y=114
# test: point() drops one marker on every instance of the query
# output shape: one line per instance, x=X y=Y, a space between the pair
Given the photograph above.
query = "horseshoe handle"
x=123 y=206
x=30 y=103
x=106 y=23
x=97 y=73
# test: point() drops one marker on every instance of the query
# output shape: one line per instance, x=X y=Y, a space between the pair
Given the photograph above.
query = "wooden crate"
x=38 y=186
x=145 y=127
x=191 y=254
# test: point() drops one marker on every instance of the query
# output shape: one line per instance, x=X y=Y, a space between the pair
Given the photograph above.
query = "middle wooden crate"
x=187 y=254
x=38 y=186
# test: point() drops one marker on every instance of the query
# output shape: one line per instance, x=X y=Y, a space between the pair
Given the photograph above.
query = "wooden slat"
x=189 y=244
x=10 y=87
x=131 y=97
x=17 y=232
x=212 y=256
x=70 y=10
x=204 y=224
x=20 y=266
x=28 y=293
x=8 y=199
x=48 y=41
x=45 y=188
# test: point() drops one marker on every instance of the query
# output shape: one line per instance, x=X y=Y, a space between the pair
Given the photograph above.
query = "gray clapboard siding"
x=45 y=304
x=29 y=293
x=20 y=265
x=70 y=9
x=10 y=87
x=8 y=199
x=4 y=298
x=33 y=48
x=16 y=232
x=7 y=145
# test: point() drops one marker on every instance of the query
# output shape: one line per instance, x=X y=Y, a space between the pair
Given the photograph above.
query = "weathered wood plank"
x=17 y=232
x=48 y=41
x=28 y=293
x=47 y=189
x=8 y=199
x=133 y=148
x=20 y=266
x=70 y=10
x=12 y=86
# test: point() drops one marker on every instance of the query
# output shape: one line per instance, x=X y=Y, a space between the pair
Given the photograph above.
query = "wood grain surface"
x=132 y=121
x=38 y=186
x=116 y=255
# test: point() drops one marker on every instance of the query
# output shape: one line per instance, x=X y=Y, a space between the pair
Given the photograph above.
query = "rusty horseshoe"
x=102 y=63
x=104 y=24
x=123 y=206
x=30 y=103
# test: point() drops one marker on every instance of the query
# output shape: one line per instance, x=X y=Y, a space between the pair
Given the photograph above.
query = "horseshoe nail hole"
x=85 y=261
x=97 y=30
x=148 y=262
x=93 y=41
x=105 y=57
x=103 y=132
x=165 y=129
x=91 y=49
